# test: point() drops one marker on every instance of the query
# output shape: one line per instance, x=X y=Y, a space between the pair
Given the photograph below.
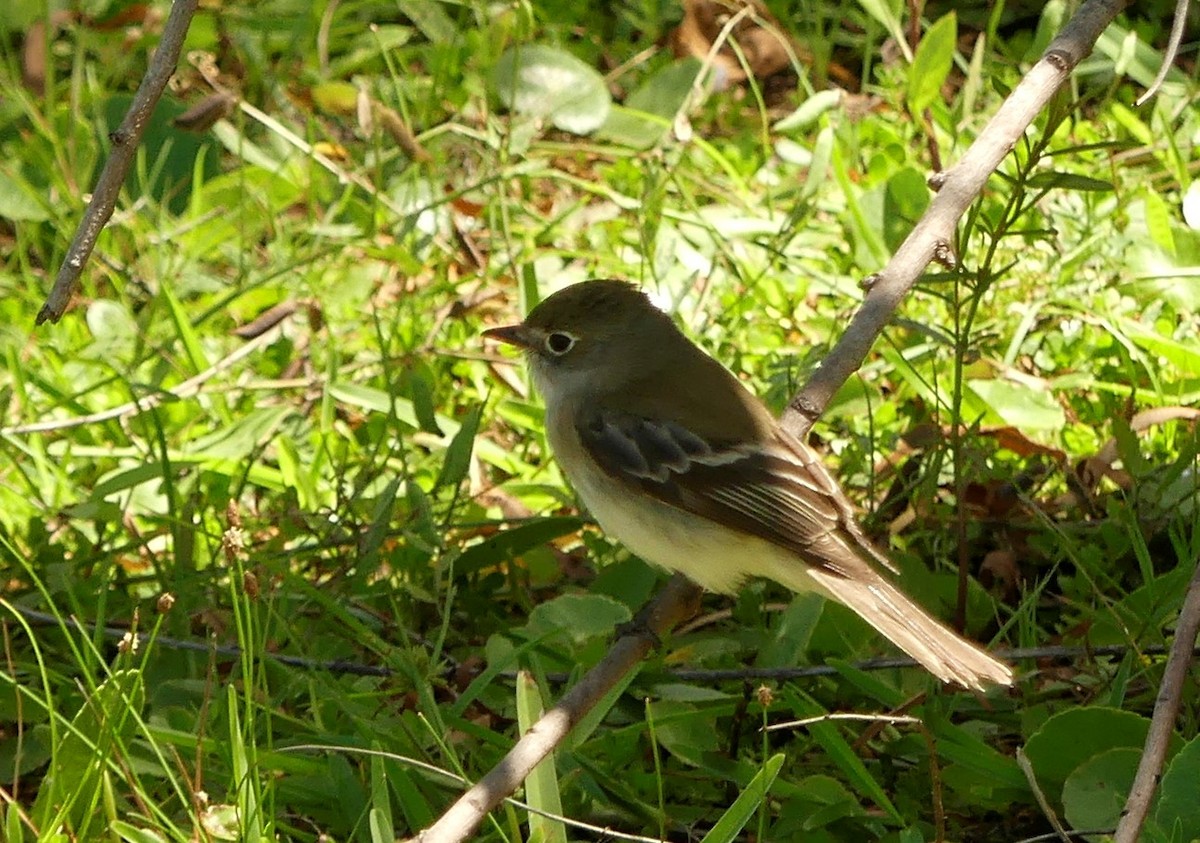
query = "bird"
x=678 y=461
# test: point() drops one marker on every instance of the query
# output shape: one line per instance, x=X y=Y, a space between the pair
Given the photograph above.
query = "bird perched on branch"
x=677 y=460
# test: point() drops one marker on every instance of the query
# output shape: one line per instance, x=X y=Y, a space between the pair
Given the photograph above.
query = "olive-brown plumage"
x=677 y=460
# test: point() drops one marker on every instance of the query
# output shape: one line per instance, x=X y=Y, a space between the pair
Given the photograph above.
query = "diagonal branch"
x=930 y=238
x=125 y=141
x=1162 y=724
x=958 y=187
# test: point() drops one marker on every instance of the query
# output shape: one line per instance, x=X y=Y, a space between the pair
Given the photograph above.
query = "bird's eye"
x=559 y=342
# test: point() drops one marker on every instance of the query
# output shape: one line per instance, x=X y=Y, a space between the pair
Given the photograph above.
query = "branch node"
x=943 y=253
x=1060 y=59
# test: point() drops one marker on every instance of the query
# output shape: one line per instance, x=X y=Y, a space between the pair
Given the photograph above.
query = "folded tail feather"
x=939 y=649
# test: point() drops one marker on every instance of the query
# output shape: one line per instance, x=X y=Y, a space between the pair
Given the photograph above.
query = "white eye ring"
x=559 y=343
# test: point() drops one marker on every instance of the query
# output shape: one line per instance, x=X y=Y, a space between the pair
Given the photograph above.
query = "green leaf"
x=379 y=817
x=1158 y=222
x=19 y=202
x=731 y=823
x=131 y=833
x=546 y=82
x=1178 y=807
x=810 y=111
x=99 y=730
x=792 y=632
x=431 y=19
x=507 y=545
x=1069 y=181
x=887 y=12
x=458 y=454
x=541 y=785
x=113 y=328
x=580 y=615
x=1070 y=738
x=1020 y=405
x=1095 y=792
x=905 y=199
x=685 y=731
x=1185 y=356
x=649 y=112
x=931 y=64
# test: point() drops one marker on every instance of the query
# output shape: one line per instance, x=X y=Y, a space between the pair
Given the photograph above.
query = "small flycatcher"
x=677 y=460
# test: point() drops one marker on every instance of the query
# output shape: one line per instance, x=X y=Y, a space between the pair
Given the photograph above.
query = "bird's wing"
x=778 y=491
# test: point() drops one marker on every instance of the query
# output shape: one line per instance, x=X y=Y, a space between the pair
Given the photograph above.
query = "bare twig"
x=1168 y=60
x=1162 y=724
x=959 y=187
x=125 y=142
x=1038 y=794
x=673 y=604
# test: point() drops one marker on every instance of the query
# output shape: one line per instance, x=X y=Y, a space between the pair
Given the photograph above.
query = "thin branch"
x=673 y=604
x=125 y=142
x=1168 y=60
x=1038 y=794
x=1162 y=724
x=957 y=189
x=708 y=676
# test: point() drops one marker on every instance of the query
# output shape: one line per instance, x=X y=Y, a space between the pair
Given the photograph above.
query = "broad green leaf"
x=1184 y=355
x=729 y=827
x=541 y=81
x=1094 y=794
x=905 y=199
x=581 y=616
x=131 y=833
x=648 y=112
x=685 y=731
x=1071 y=737
x=1158 y=222
x=431 y=19
x=1020 y=405
x=114 y=330
x=1178 y=805
x=932 y=62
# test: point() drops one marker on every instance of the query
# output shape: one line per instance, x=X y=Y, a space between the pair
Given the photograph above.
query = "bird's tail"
x=942 y=652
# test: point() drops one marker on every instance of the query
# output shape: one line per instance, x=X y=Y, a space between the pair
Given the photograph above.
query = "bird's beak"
x=518 y=335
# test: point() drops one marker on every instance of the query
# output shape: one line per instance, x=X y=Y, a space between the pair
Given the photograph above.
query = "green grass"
x=369 y=484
